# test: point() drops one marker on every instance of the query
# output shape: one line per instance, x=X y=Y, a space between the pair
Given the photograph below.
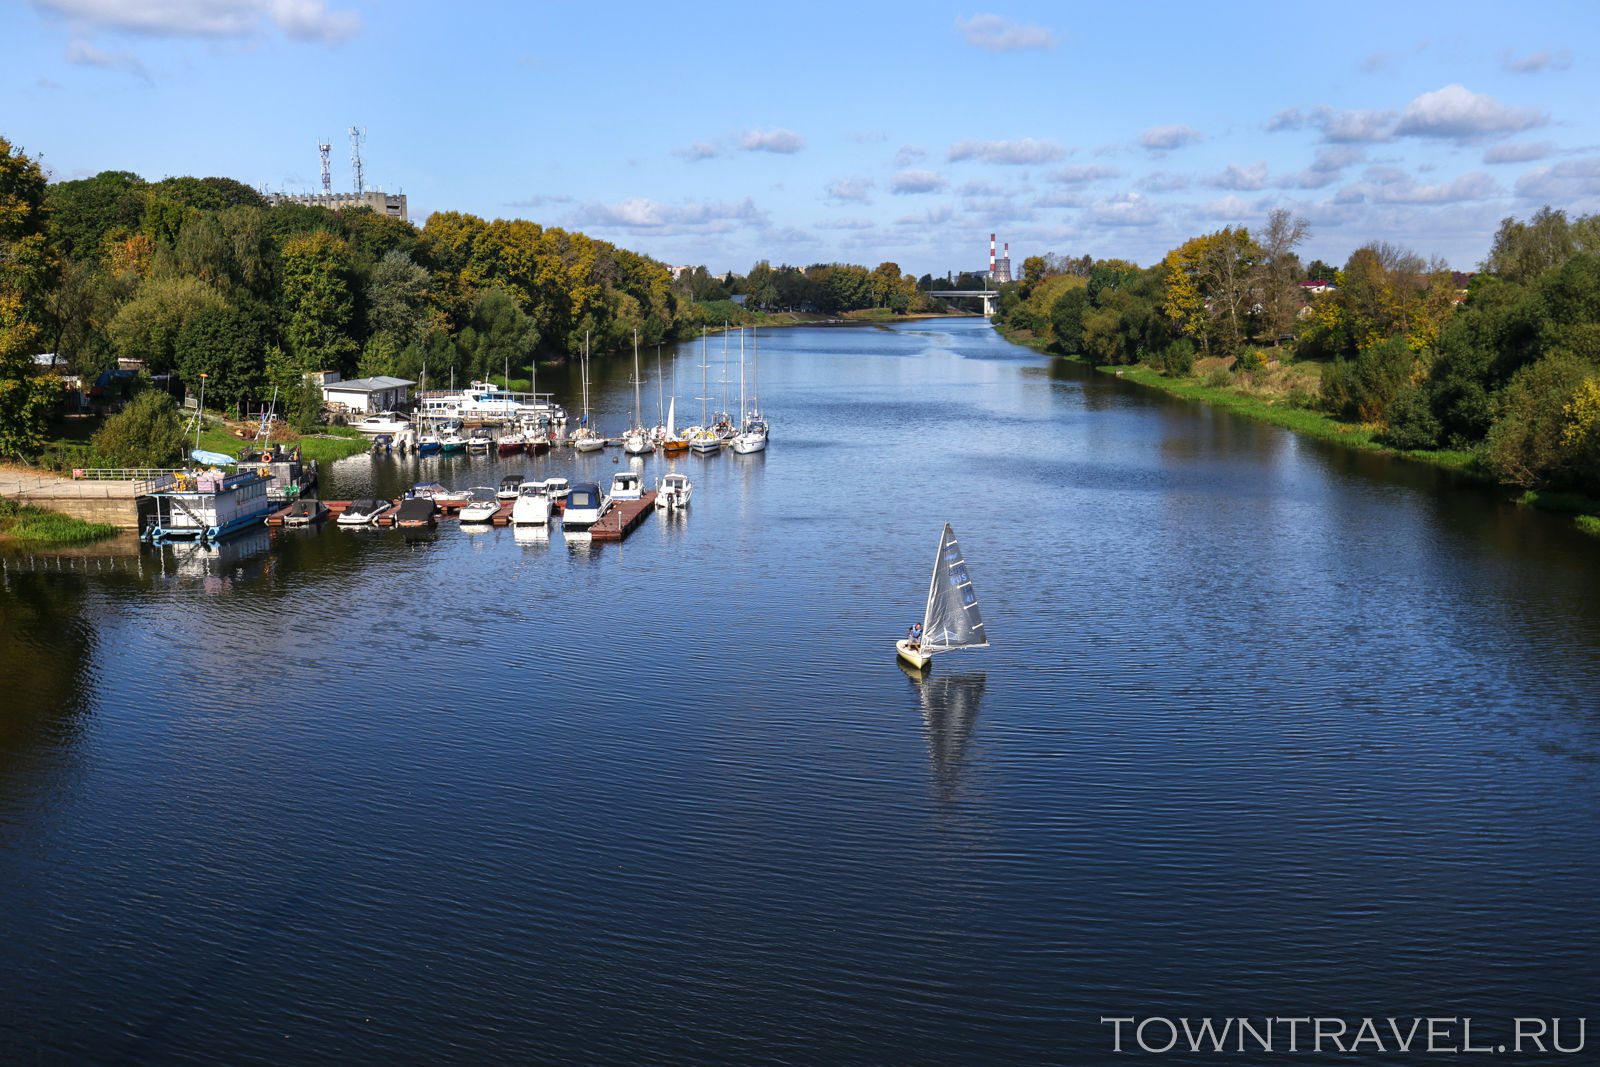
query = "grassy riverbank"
x=29 y=522
x=332 y=442
x=1284 y=409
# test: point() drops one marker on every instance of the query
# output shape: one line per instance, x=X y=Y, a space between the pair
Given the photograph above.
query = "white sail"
x=952 y=620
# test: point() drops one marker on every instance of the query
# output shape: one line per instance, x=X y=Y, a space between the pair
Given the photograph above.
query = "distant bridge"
x=989 y=296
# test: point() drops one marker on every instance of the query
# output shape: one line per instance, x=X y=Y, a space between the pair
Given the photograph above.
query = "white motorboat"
x=390 y=422
x=362 y=512
x=585 y=505
x=481 y=506
x=951 y=619
x=627 y=485
x=510 y=487
x=532 y=507
x=673 y=492
x=481 y=440
x=556 y=488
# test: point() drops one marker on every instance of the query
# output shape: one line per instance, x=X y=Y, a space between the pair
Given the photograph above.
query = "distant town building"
x=678 y=272
x=391 y=204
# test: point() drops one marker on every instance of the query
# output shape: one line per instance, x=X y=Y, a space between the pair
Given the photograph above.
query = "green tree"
x=498 y=335
x=84 y=211
x=317 y=298
x=147 y=326
x=397 y=299
x=229 y=345
x=148 y=432
x=28 y=270
x=1066 y=319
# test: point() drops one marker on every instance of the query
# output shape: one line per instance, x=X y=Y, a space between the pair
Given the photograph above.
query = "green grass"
x=350 y=443
x=1588 y=524
x=1566 y=503
x=29 y=522
x=1274 y=410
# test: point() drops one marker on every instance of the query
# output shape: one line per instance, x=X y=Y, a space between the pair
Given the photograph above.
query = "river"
x=1268 y=729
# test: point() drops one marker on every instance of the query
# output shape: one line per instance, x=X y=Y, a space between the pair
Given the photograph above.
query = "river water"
x=1268 y=729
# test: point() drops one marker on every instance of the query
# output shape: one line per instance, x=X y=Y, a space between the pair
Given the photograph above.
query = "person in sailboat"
x=914 y=636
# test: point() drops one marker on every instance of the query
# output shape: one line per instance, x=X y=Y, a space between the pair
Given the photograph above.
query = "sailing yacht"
x=638 y=441
x=951 y=619
x=703 y=438
x=585 y=439
x=752 y=436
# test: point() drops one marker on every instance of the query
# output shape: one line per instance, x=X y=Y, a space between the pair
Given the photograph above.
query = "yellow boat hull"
x=911 y=655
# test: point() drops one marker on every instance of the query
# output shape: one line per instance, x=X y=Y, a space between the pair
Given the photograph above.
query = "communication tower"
x=358 y=136
x=323 y=148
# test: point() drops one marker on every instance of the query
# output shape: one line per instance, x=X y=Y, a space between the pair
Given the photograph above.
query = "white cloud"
x=699 y=150
x=1242 y=178
x=1162 y=182
x=1519 y=151
x=84 y=54
x=917 y=181
x=1061 y=198
x=1083 y=175
x=540 y=200
x=868 y=136
x=642 y=216
x=980 y=188
x=908 y=154
x=1378 y=61
x=1387 y=185
x=1174 y=136
x=1327 y=168
x=1290 y=118
x=852 y=188
x=301 y=20
x=1543 y=59
x=1455 y=113
x=846 y=224
x=1353 y=127
x=1127 y=209
x=1229 y=208
x=1563 y=181
x=776 y=140
x=933 y=217
x=1026 y=150
x=995 y=34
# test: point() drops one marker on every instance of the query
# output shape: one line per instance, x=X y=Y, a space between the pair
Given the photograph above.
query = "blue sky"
x=720 y=134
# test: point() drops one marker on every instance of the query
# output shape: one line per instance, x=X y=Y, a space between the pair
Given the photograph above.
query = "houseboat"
x=207 y=506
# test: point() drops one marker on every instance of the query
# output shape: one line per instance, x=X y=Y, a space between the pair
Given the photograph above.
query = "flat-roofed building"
x=390 y=204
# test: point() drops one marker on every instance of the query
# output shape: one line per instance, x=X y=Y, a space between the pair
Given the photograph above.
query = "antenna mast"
x=358 y=137
x=323 y=149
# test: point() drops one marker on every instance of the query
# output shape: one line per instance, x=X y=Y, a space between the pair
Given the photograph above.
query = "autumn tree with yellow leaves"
x=28 y=271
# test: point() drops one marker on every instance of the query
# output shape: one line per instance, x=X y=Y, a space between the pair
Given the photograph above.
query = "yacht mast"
x=741 y=381
x=638 y=408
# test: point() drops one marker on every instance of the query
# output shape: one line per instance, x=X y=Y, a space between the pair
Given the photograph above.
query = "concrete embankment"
x=116 y=503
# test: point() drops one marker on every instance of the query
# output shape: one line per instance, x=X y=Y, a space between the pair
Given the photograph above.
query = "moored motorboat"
x=305 y=512
x=416 y=511
x=627 y=485
x=390 y=422
x=511 y=443
x=674 y=491
x=451 y=441
x=532 y=507
x=510 y=486
x=363 y=512
x=480 y=440
x=557 y=489
x=584 y=507
x=481 y=505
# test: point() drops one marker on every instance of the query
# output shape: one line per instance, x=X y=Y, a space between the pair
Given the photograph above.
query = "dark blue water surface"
x=1269 y=729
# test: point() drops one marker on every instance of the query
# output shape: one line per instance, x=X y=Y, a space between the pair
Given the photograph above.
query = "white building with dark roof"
x=382 y=393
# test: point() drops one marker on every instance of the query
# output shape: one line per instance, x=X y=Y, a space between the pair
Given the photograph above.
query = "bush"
x=146 y=433
x=1299 y=398
x=1249 y=361
x=1362 y=388
x=1525 y=445
x=1588 y=524
x=1412 y=423
x=1219 y=377
x=1178 y=359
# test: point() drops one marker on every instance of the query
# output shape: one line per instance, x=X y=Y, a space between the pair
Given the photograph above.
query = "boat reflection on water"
x=531 y=536
x=217 y=566
x=950 y=705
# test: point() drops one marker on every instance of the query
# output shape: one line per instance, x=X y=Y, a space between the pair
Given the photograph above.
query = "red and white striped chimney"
x=991 y=254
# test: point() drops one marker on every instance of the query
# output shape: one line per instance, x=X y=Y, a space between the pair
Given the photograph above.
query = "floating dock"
x=623 y=517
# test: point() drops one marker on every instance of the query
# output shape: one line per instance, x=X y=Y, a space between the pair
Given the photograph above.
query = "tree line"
x=1505 y=365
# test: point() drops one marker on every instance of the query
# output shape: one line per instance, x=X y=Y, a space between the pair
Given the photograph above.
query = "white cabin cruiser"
x=363 y=512
x=532 y=507
x=627 y=485
x=390 y=422
x=673 y=492
x=556 y=488
x=481 y=440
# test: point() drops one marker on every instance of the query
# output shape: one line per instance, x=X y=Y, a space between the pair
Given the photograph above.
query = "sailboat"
x=951 y=620
x=752 y=436
x=702 y=438
x=585 y=439
x=638 y=441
